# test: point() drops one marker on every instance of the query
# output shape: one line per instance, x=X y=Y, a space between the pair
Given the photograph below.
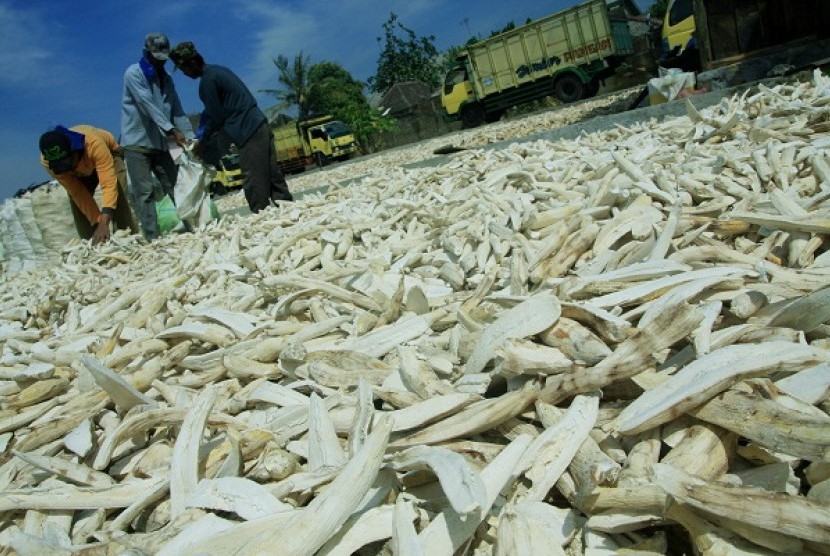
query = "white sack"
x=192 y=191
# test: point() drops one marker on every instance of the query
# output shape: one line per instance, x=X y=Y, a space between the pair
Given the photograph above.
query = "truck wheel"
x=472 y=115
x=494 y=116
x=219 y=189
x=568 y=88
x=591 y=89
x=319 y=159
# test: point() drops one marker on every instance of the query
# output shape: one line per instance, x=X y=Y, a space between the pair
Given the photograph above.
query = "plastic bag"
x=167 y=217
x=26 y=217
x=51 y=206
x=669 y=85
x=17 y=249
x=191 y=191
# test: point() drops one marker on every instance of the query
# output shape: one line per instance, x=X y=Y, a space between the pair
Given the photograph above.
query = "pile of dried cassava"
x=612 y=345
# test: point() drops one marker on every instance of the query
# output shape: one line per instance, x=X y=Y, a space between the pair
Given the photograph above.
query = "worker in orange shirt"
x=81 y=158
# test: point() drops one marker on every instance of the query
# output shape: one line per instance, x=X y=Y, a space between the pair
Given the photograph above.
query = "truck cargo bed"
x=575 y=37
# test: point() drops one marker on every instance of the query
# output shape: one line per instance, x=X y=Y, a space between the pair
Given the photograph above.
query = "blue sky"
x=63 y=62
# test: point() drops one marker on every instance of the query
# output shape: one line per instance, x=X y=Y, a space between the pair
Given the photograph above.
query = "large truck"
x=566 y=55
x=291 y=151
x=317 y=140
x=751 y=37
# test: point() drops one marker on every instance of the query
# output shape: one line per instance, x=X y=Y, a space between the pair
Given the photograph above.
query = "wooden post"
x=702 y=33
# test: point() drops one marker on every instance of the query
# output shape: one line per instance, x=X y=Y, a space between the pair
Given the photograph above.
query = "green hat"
x=183 y=52
x=56 y=149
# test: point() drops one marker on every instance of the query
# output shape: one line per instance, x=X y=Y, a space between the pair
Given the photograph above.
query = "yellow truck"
x=678 y=26
x=291 y=151
x=228 y=173
x=317 y=140
x=565 y=54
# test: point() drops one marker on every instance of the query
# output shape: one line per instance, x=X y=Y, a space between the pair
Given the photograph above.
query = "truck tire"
x=320 y=159
x=494 y=116
x=568 y=88
x=219 y=189
x=472 y=115
x=591 y=89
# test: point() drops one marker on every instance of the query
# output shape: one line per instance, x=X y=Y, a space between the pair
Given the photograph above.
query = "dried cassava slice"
x=699 y=381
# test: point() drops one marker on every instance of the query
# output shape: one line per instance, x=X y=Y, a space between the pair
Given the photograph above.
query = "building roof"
x=630 y=6
x=404 y=95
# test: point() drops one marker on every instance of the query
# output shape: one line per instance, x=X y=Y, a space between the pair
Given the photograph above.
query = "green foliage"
x=509 y=27
x=658 y=9
x=367 y=125
x=449 y=59
x=295 y=81
x=327 y=88
x=404 y=58
x=332 y=88
x=334 y=91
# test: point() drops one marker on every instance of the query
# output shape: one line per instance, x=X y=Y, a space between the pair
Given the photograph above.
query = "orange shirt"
x=99 y=145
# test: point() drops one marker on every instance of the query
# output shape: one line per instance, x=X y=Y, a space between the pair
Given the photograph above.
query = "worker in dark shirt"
x=231 y=107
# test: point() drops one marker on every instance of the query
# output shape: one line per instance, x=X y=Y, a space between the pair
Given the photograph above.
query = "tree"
x=509 y=27
x=407 y=58
x=331 y=88
x=658 y=9
x=327 y=88
x=334 y=91
x=450 y=57
x=295 y=82
x=367 y=125
x=455 y=51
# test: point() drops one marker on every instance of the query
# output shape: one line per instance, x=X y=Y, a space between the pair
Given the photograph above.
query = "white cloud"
x=280 y=31
x=168 y=11
x=23 y=56
x=342 y=31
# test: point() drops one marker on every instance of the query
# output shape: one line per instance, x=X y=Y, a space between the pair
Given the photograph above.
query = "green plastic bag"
x=167 y=217
x=214 y=212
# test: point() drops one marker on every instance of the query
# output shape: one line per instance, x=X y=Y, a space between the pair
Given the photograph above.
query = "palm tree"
x=296 y=86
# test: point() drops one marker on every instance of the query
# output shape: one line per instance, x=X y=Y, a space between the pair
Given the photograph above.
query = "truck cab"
x=678 y=26
x=457 y=91
x=229 y=174
x=329 y=140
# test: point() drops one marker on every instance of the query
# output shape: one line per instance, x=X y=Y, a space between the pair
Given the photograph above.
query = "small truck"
x=565 y=55
x=317 y=140
x=228 y=173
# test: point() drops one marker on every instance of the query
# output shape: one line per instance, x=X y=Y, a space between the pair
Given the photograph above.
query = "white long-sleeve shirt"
x=150 y=108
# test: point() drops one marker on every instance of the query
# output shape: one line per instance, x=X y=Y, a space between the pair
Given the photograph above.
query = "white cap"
x=158 y=45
